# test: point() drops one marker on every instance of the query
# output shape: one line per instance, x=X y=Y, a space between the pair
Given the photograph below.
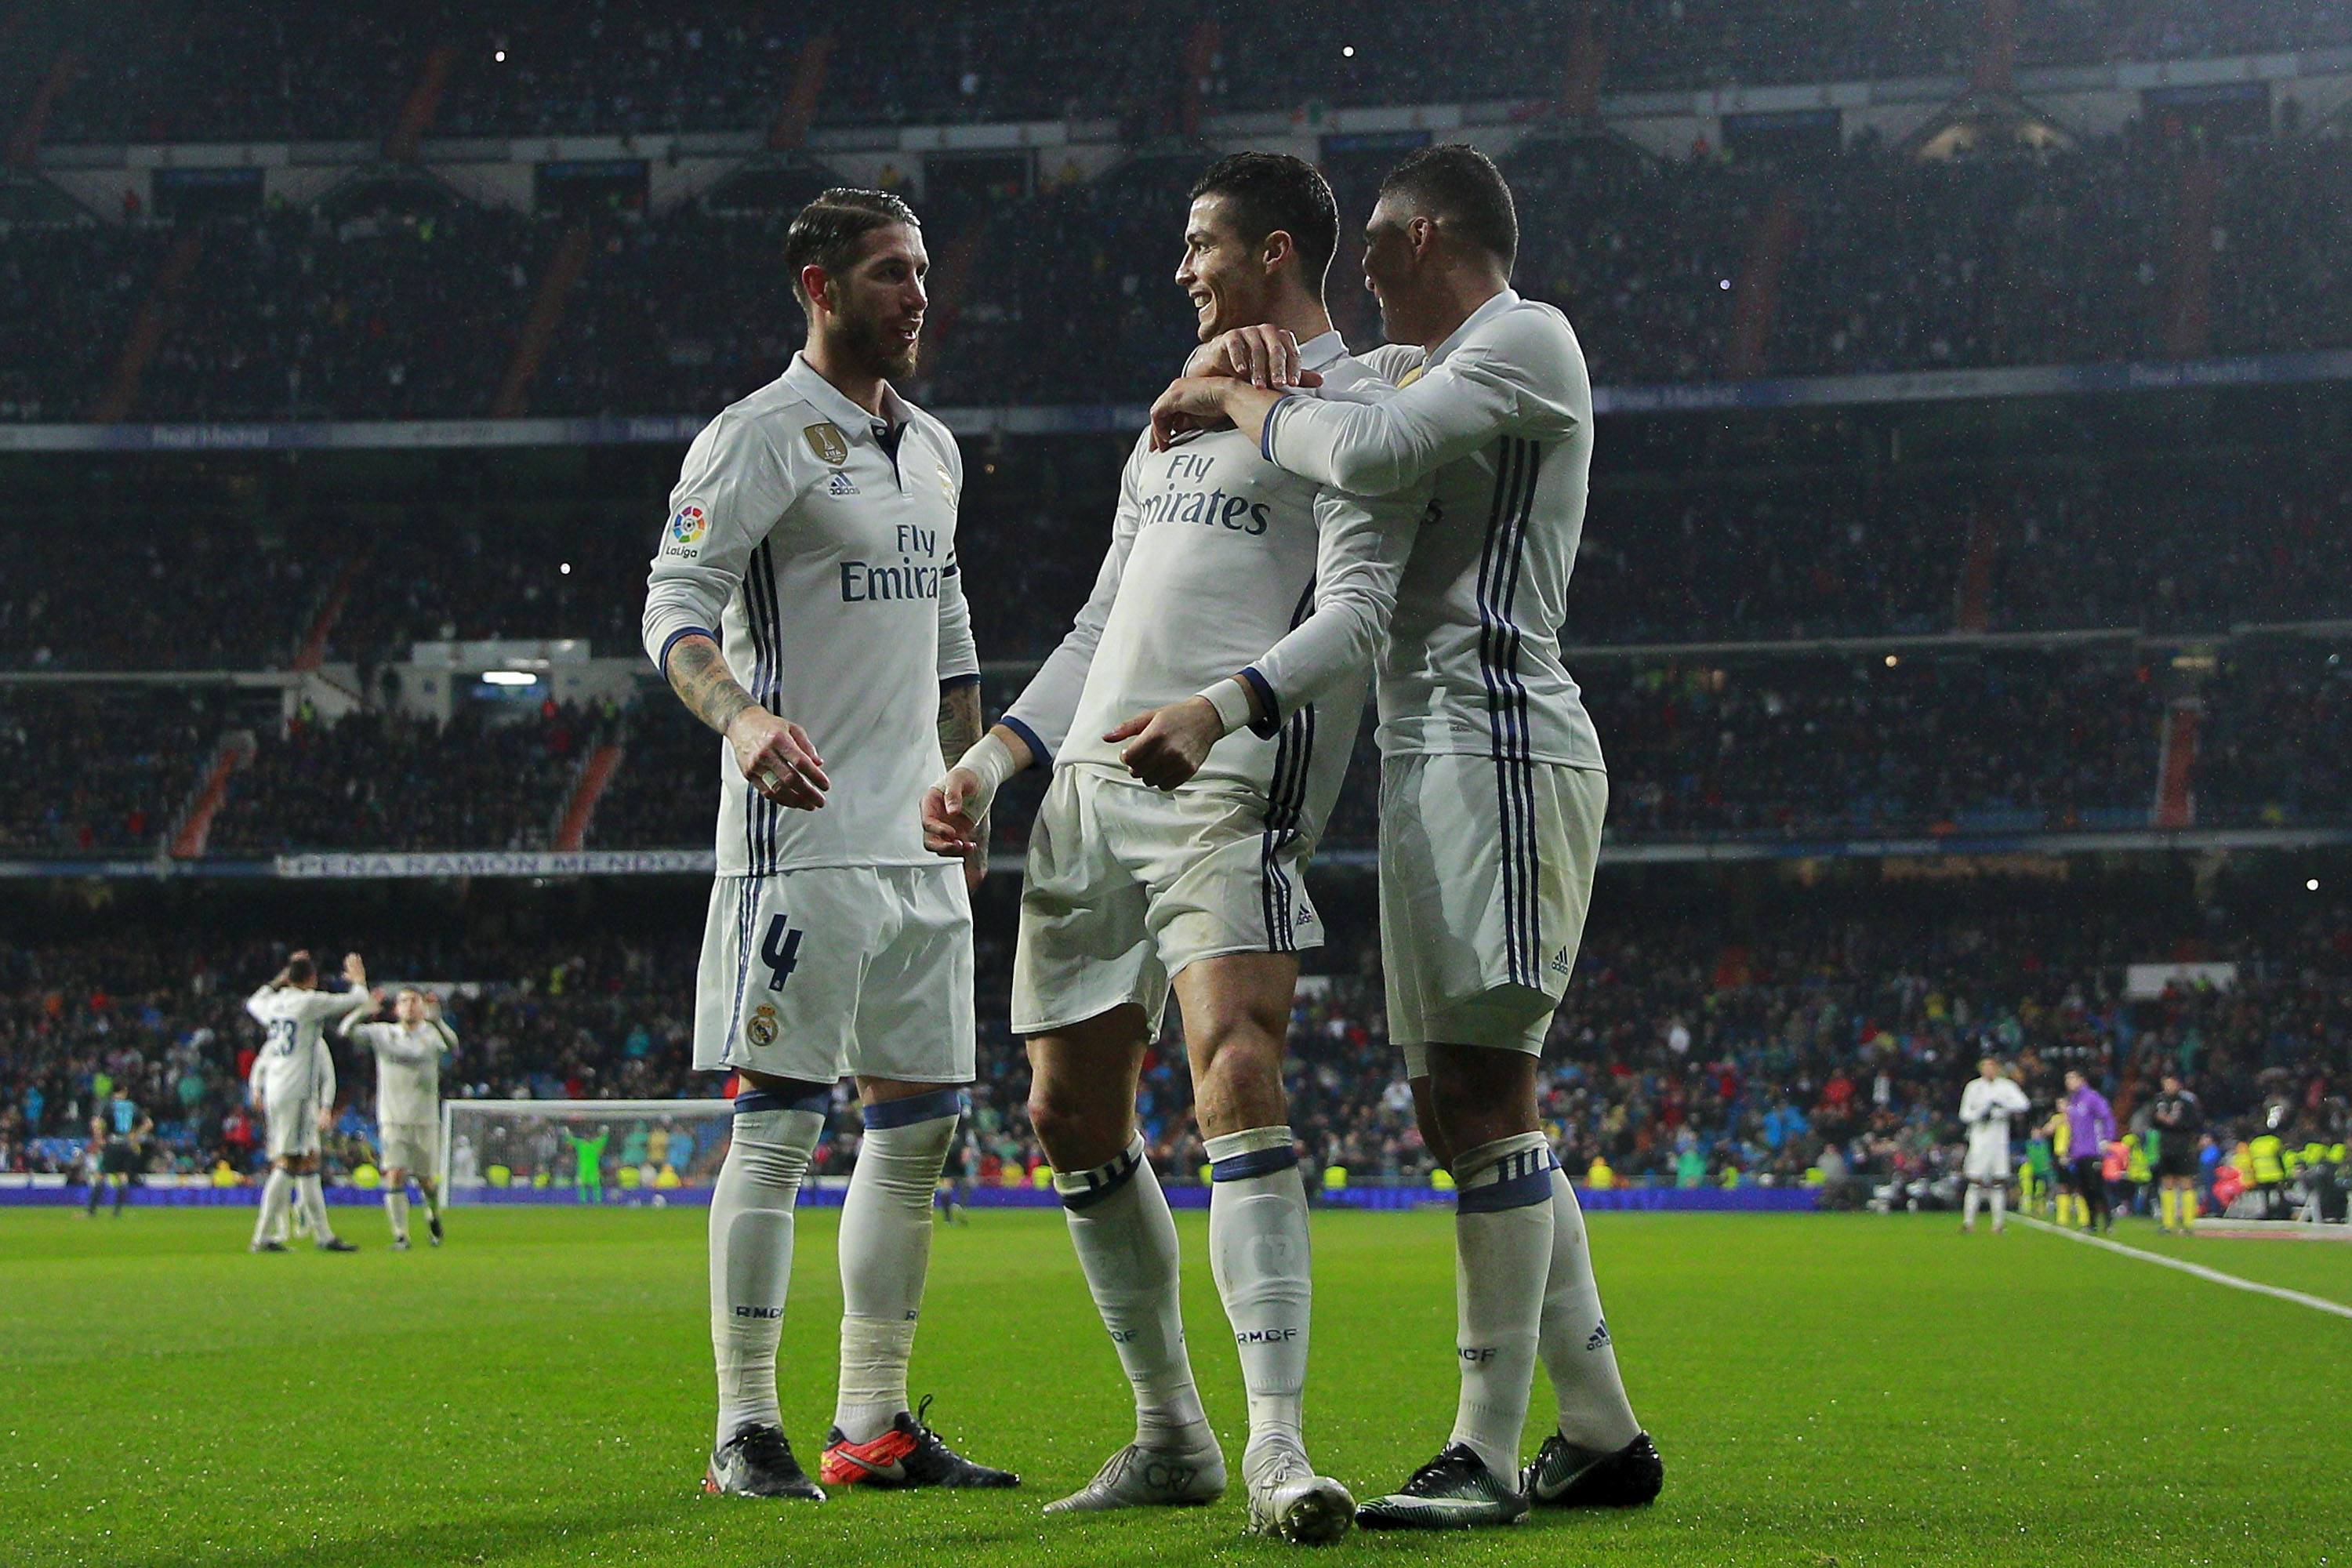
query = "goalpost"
x=641 y=1150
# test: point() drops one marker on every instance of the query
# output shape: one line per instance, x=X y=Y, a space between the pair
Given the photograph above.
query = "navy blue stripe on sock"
x=916 y=1108
x=1516 y=1193
x=1101 y=1183
x=1256 y=1162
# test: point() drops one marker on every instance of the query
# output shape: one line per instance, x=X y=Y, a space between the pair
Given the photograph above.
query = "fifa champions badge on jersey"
x=947 y=482
x=687 y=525
x=826 y=439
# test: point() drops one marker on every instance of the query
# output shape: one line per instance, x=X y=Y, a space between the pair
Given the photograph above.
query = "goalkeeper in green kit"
x=588 y=1172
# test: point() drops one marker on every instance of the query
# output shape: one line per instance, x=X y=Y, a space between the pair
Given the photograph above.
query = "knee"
x=1071 y=1127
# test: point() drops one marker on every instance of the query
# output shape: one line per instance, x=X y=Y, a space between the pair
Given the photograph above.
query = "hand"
x=1170 y=742
x=354 y=971
x=1262 y=355
x=775 y=755
x=325 y=1118
x=975 y=865
x=949 y=827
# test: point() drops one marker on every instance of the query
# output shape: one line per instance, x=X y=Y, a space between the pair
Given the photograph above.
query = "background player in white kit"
x=408 y=1103
x=1492 y=793
x=293 y=1082
x=1986 y=1106
x=1229 y=638
x=808 y=569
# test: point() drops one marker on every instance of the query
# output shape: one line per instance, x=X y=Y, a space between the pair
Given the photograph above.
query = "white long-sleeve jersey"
x=818 y=546
x=1500 y=418
x=294 y=1074
x=407 y=1065
x=1220 y=563
x=1985 y=1109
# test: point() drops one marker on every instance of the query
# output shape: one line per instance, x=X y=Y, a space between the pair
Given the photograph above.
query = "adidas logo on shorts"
x=1599 y=1336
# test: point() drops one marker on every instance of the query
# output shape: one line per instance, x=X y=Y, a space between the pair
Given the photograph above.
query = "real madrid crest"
x=947 y=482
x=826 y=439
x=762 y=1027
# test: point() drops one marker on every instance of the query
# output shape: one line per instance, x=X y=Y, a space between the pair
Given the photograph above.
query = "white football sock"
x=275 y=1193
x=313 y=1199
x=2000 y=1206
x=1259 y=1250
x=1126 y=1240
x=396 y=1204
x=432 y=1197
x=1594 y=1413
x=885 y=1252
x=1502 y=1249
x=1969 y=1201
x=752 y=1252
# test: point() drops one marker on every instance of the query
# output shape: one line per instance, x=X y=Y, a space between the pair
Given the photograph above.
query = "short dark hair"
x=827 y=232
x=1269 y=191
x=299 y=968
x=1460 y=186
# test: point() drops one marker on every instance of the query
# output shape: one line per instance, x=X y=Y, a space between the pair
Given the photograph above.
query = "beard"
x=862 y=344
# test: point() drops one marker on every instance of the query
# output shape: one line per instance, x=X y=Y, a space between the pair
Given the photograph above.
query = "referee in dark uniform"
x=2178 y=1120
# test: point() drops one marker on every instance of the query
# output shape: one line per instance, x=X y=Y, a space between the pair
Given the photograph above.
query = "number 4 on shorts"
x=780 y=951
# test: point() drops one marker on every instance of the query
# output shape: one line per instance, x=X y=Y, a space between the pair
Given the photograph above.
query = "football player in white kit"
x=1492 y=793
x=408 y=1103
x=1198 y=717
x=1987 y=1105
x=293 y=1082
x=805 y=603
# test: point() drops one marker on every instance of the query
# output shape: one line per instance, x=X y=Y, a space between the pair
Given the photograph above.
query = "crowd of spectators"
x=1782 y=746
x=1066 y=296
x=1950 y=744
x=87 y=771
x=2172 y=544
x=382 y=781
x=1826 y=1041
x=298 y=71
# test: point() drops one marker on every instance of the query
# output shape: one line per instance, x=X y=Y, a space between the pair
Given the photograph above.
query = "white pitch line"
x=2199 y=1270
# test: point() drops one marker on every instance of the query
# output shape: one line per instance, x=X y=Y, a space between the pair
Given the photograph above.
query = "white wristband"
x=1231 y=698
x=991 y=762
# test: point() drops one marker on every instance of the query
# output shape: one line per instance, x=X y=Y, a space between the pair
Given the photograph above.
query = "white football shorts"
x=815 y=973
x=411 y=1146
x=1987 y=1161
x=1127 y=885
x=292 y=1130
x=1486 y=873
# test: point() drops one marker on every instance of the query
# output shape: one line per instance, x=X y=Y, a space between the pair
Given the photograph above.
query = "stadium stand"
x=1727 y=746
x=135 y=72
x=1877 y=263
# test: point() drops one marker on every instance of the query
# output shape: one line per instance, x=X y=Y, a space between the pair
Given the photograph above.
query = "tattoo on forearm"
x=960 y=726
x=698 y=674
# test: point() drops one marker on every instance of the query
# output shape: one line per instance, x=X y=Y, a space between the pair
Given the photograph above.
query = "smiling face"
x=409 y=1006
x=875 y=307
x=1227 y=280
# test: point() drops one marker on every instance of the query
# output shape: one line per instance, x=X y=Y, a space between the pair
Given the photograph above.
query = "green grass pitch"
x=1826 y=1390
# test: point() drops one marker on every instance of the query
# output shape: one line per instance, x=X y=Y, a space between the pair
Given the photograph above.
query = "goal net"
x=583 y=1151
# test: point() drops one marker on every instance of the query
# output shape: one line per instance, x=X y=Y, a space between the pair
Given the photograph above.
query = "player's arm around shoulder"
x=1361 y=545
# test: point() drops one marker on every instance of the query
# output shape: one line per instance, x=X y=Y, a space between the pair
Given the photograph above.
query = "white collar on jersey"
x=1318 y=352
x=1477 y=318
x=856 y=423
